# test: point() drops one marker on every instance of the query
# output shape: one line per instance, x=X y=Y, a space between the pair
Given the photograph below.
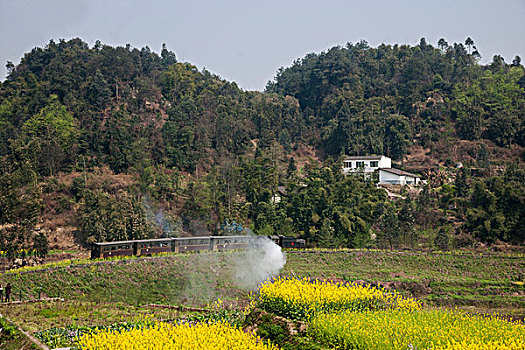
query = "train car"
x=154 y=246
x=147 y=247
x=292 y=242
x=109 y=249
x=221 y=243
x=191 y=244
x=288 y=242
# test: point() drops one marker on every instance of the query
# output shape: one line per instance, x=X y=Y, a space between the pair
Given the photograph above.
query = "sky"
x=246 y=41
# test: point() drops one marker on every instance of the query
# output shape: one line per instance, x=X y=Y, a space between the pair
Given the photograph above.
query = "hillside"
x=107 y=143
x=389 y=99
x=201 y=287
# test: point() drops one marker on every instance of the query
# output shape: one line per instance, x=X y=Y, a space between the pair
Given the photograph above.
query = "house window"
x=360 y=164
x=374 y=164
x=348 y=164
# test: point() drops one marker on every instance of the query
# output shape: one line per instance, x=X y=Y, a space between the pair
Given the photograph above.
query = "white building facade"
x=383 y=166
x=366 y=164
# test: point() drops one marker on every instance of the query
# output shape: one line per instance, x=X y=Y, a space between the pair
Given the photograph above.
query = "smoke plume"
x=254 y=266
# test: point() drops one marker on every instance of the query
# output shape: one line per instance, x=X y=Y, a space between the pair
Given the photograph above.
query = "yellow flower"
x=417 y=329
x=304 y=298
x=166 y=336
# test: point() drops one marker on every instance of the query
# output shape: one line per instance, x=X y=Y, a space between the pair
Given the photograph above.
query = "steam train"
x=148 y=247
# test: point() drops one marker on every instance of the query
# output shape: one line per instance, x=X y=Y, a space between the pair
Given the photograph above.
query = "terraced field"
x=488 y=283
x=112 y=293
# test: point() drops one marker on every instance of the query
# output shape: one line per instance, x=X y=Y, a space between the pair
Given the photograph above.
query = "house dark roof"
x=364 y=158
x=398 y=172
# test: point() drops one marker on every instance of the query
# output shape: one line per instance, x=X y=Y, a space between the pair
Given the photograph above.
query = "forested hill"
x=365 y=100
x=129 y=108
x=123 y=106
x=120 y=142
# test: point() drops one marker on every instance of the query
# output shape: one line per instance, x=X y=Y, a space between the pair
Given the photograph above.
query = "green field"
x=113 y=292
x=478 y=282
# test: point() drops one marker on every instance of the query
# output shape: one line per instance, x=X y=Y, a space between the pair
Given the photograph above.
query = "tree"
x=53 y=131
x=516 y=62
x=489 y=107
x=291 y=167
x=469 y=43
x=497 y=64
x=105 y=218
x=10 y=68
x=40 y=244
x=443 y=45
x=97 y=91
x=397 y=136
x=407 y=222
x=389 y=227
x=475 y=54
x=442 y=239
x=461 y=185
x=168 y=57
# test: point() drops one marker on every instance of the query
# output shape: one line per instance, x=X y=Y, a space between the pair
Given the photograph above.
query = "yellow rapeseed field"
x=201 y=336
x=302 y=299
x=417 y=329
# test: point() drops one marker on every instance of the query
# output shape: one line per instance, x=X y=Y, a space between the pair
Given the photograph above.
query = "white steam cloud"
x=254 y=266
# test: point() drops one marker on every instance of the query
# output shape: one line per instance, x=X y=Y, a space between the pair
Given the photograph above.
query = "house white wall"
x=368 y=165
x=385 y=162
x=386 y=177
x=382 y=164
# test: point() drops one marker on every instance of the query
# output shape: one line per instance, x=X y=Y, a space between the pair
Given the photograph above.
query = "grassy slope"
x=192 y=279
x=112 y=291
x=486 y=283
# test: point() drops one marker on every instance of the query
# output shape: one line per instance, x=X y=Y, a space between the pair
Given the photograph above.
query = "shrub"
x=416 y=329
x=302 y=299
x=182 y=336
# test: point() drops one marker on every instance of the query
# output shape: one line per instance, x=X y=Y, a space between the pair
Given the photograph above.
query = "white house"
x=381 y=164
x=391 y=176
x=366 y=164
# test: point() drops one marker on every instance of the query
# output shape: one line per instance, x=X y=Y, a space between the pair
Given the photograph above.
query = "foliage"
x=491 y=106
x=182 y=336
x=442 y=239
x=390 y=227
x=105 y=218
x=333 y=210
x=21 y=202
x=416 y=329
x=496 y=207
x=53 y=132
x=367 y=100
x=208 y=151
x=303 y=299
x=65 y=337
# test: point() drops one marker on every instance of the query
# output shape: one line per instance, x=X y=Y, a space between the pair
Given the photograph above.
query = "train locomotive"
x=148 y=247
